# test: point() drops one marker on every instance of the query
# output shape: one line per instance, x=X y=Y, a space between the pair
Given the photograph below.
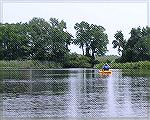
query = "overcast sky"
x=112 y=16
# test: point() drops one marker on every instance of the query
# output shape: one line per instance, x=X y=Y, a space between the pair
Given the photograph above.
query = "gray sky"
x=112 y=16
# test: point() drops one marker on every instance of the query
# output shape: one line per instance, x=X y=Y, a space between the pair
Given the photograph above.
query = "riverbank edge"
x=128 y=65
x=28 y=64
x=34 y=64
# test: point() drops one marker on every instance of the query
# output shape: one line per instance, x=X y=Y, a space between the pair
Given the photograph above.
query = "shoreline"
x=128 y=65
x=35 y=64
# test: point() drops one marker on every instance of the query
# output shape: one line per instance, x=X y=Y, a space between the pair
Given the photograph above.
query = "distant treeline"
x=44 y=40
x=136 y=48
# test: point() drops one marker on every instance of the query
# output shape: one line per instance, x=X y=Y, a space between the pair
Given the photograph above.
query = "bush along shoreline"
x=28 y=64
x=128 y=65
x=74 y=63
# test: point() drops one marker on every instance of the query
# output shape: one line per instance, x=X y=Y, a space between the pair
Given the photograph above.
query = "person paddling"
x=106 y=67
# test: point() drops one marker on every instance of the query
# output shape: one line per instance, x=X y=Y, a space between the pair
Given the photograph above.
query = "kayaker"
x=106 y=67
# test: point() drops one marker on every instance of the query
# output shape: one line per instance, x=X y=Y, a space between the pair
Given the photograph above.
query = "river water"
x=73 y=93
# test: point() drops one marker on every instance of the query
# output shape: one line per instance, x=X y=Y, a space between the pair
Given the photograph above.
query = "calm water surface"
x=73 y=93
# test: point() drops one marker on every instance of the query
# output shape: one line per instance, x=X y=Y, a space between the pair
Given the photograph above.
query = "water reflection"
x=131 y=96
x=72 y=93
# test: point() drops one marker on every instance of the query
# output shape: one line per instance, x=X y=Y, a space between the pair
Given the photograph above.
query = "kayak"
x=105 y=71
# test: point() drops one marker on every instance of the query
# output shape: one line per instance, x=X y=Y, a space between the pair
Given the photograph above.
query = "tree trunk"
x=93 y=58
x=83 y=50
x=87 y=50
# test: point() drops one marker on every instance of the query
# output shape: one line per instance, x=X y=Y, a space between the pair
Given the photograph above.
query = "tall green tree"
x=91 y=37
x=137 y=48
x=82 y=36
x=119 y=41
x=60 y=40
x=98 y=40
x=1 y=41
x=38 y=39
x=14 y=44
x=39 y=36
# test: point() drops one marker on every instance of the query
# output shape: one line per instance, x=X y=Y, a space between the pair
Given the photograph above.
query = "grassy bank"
x=27 y=64
x=131 y=65
x=34 y=64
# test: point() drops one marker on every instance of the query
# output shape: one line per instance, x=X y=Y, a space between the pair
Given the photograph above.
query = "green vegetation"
x=128 y=65
x=36 y=40
x=136 y=48
x=78 y=61
x=30 y=44
x=44 y=44
x=73 y=61
x=27 y=64
x=93 y=37
x=107 y=58
x=135 y=52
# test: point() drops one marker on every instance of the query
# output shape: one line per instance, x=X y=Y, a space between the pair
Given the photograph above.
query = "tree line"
x=136 y=48
x=44 y=40
x=37 y=39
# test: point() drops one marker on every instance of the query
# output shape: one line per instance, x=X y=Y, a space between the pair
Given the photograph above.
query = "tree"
x=119 y=41
x=82 y=35
x=137 y=48
x=93 y=38
x=37 y=39
x=14 y=44
x=98 y=41
x=60 y=40
x=49 y=40
x=39 y=36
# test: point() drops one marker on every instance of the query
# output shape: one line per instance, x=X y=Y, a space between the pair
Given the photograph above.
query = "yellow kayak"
x=105 y=71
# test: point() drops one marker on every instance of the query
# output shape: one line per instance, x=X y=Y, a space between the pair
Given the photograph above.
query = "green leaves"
x=137 y=48
x=119 y=41
x=38 y=39
x=49 y=38
x=91 y=37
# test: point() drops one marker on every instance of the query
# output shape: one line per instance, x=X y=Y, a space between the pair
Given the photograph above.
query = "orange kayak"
x=105 y=71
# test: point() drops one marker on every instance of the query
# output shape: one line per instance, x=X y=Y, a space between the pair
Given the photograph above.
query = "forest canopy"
x=44 y=40
x=136 y=48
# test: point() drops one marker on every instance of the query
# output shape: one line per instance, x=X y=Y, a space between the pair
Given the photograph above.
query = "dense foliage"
x=44 y=40
x=78 y=61
x=91 y=37
x=127 y=65
x=37 y=39
x=136 y=48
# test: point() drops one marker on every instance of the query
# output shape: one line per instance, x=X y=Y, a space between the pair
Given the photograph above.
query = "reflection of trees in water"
x=138 y=84
x=35 y=87
x=15 y=74
x=136 y=73
x=45 y=81
x=89 y=74
x=46 y=92
x=26 y=74
x=52 y=87
x=1 y=80
x=55 y=74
